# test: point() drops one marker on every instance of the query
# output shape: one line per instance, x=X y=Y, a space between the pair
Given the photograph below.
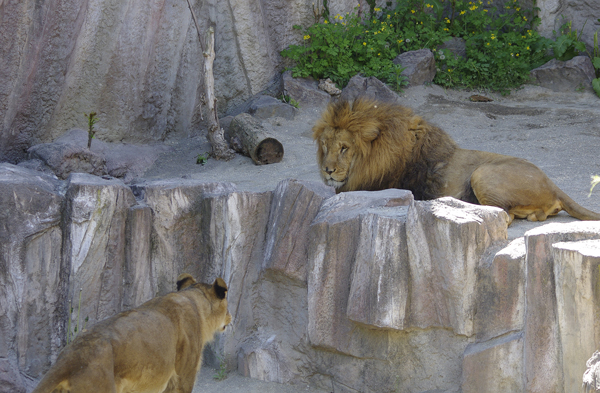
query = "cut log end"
x=269 y=151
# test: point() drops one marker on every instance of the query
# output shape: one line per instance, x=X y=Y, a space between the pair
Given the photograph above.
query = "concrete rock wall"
x=355 y=292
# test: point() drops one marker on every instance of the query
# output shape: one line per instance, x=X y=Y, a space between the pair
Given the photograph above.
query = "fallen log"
x=250 y=138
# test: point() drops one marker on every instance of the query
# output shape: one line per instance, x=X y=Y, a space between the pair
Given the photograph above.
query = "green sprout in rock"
x=92 y=119
x=202 y=158
x=71 y=334
x=290 y=100
x=222 y=371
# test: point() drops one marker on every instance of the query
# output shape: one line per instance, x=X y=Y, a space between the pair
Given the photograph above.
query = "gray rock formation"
x=571 y=75
x=419 y=66
x=304 y=90
x=359 y=291
x=370 y=87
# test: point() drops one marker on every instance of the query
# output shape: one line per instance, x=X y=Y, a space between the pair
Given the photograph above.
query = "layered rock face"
x=361 y=291
x=139 y=65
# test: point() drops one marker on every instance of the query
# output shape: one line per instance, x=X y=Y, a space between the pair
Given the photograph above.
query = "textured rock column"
x=576 y=271
x=543 y=360
x=334 y=241
x=32 y=286
x=94 y=245
x=295 y=204
x=209 y=231
x=139 y=285
x=447 y=239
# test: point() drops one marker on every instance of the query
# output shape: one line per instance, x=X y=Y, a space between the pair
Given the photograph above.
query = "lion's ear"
x=369 y=133
x=220 y=288
x=185 y=280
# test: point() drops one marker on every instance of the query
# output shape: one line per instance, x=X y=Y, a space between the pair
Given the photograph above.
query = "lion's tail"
x=575 y=209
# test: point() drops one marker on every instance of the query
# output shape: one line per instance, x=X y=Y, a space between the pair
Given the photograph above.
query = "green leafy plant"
x=343 y=46
x=289 y=100
x=92 y=119
x=72 y=332
x=502 y=46
x=202 y=158
x=595 y=56
x=568 y=43
x=222 y=371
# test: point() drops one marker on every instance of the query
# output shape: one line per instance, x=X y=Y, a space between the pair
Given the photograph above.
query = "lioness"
x=371 y=145
x=156 y=347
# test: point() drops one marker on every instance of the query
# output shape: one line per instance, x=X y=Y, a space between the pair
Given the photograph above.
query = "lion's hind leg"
x=518 y=187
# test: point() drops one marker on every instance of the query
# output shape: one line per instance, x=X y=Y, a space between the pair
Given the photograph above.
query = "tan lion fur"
x=371 y=145
x=156 y=347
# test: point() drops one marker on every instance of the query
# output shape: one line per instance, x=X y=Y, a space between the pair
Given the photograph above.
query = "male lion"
x=156 y=347
x=371 y=145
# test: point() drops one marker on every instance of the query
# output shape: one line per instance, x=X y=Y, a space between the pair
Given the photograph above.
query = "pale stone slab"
x=295 y=204
x=447 y=239
x=576 y=271
x=544 y=369
x=494 y=367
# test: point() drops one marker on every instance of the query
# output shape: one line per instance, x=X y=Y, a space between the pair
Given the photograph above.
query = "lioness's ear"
x=220 y=288
x=185 y=280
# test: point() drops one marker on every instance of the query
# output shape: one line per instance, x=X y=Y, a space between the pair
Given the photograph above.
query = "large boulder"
x=419 y=66
x=571 y=75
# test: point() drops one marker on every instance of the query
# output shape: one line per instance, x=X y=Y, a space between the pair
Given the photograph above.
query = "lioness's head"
x=216 y=294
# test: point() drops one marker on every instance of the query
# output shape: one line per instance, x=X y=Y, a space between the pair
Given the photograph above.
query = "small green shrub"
x=502 y=46
x=595 y=56
x=343 y=46
x=567 y=44
x=202 y=158
x=222 y=371
x=289 y=100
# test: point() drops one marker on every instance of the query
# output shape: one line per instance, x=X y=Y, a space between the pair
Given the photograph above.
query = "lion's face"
x=336 y=153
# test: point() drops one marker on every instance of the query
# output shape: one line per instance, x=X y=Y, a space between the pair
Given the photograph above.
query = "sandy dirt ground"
x=559 y=132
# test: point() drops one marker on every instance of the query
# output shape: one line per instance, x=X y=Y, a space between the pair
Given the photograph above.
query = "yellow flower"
x=337 y=16
x=400 y=41
x=306 y=37
x=518 y=9
x=517 y=55
x=377 y=9
x=413 y=11
x=364 y=43
x=488 y=44
x=485 y=10
x=429 y=5
x=462 y=12
x=524 y=18
x=389 y=16
x=449 y=69
x=379 y=54
x=527 y=48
